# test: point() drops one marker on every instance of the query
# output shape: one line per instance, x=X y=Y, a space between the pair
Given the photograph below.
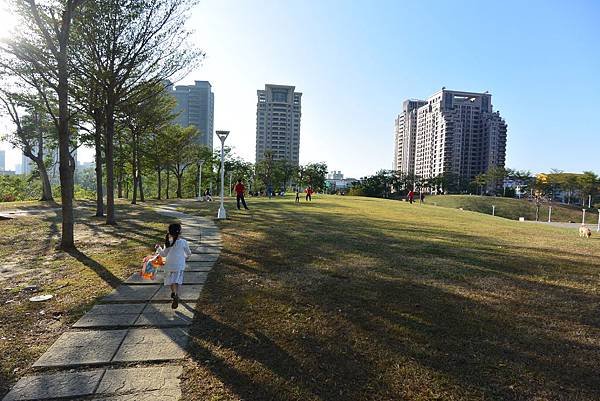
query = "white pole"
x=493 y=210
x=200 y=197
x=583 y=220
x=230 y=173
x=598 y=221
x=222 y=136
x=550 y=214
x=589 y=201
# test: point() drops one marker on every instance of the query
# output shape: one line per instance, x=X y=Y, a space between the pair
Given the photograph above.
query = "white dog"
x=584 y=231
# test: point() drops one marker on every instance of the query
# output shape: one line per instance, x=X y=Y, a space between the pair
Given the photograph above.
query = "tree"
x=89 y=101
x=314 y=175
x=239 y=169
x=588 y=185
x=124 y=45
x=264 y=169
x=204 y=154
x=495 y=176
x=480 y=181
x=183 y=145
x=39 y=55
x=33 y=132
x=142 y=118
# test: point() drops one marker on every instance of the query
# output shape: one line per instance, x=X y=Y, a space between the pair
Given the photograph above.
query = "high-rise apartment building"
x=2 y=160
x=278 y=114
x=405 y=129
x=450 y=132
x=196 y=106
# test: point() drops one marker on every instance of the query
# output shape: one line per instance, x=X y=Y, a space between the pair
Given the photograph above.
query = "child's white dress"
x=175 y=263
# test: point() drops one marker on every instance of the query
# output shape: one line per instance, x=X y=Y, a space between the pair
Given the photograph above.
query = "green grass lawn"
x=365 y=299
x=511 y=208
x=344 y=298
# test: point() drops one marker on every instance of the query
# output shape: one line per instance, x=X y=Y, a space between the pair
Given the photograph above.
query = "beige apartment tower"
x=278 y=113
x=450 y=132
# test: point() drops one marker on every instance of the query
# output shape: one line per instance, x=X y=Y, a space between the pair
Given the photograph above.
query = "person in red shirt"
x=411 y=196
x=309 y=191
x=239 y=191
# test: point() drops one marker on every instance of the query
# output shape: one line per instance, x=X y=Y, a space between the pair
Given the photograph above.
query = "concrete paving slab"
x=75 y=348
x=161 y=315
x=199 y=266
x=139 y=380
x=213 y=235
x=206 y=249
x=170 y=394
x=55 y=385
x=194 y=277
x=206 y=257
x=188 y=278
x=132 y=293
x=152 y=345
x=186 y=293
x=110 y=315
x=136 y=278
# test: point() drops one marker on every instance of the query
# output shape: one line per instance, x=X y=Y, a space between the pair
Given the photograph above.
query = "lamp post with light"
x=222 y=135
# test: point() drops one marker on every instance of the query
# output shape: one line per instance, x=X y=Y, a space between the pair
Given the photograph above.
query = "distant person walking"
x=207 y=195
x=309 y=191
x=422 y=197
x=411 y=196
x=239 y=191
x=297 y=195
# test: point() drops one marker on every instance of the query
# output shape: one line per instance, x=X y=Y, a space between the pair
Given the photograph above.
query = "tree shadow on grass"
x=99 y=269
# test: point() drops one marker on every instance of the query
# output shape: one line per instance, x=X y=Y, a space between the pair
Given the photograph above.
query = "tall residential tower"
x=278 y=114
x=196 y=106
x=450 y=132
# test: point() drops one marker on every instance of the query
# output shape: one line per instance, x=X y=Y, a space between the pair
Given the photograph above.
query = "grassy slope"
x=365 y=299
x=511 y=208
x=108 y=255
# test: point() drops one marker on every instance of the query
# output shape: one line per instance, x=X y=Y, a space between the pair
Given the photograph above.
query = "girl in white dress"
x=176 y=251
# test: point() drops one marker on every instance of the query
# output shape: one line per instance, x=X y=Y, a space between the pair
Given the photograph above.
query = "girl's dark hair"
x=174 y=231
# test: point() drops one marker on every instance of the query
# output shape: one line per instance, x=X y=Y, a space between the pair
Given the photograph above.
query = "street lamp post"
x=200 y=163
x=222 y=136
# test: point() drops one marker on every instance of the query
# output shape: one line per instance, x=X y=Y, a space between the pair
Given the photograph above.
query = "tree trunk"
x=197 y=183
x=120 y=174
x=140 y=183
x=134 y=176
x=110 y=162
x=159 y=183
x=179 y=177
x=98 y=158
x=46 y=187
x=64 y=138
x=168 y=182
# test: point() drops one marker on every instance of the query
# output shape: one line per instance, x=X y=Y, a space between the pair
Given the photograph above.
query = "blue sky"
x=356 y=61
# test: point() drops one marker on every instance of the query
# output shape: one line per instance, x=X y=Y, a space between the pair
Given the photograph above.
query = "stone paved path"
x=133 y=324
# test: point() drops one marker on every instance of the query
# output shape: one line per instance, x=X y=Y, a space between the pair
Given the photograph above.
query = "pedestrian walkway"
x=133 y=325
